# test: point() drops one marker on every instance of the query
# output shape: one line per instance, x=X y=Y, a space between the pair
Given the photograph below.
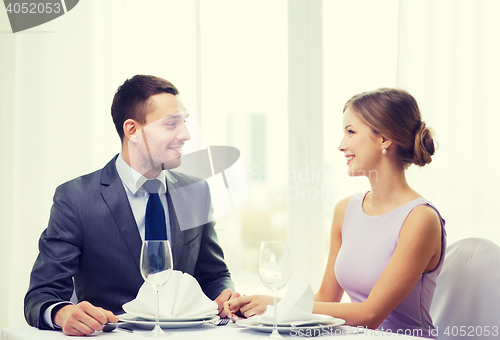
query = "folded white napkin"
x=295 y=308
x=181 y=297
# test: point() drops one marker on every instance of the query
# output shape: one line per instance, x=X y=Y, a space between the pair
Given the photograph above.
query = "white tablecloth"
x=202 y=332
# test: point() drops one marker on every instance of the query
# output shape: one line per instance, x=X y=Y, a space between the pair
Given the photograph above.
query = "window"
x=243 y=103
x=360 y=54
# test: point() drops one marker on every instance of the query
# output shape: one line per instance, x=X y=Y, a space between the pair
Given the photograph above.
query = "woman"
x=387 y=245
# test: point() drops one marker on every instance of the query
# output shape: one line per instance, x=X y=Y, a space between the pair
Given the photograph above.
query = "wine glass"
x=275 y=268
x=156 y=267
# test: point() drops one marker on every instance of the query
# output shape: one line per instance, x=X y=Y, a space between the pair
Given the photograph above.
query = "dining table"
x=204 y=332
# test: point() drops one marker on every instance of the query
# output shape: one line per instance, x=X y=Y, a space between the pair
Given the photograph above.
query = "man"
x=98 y=221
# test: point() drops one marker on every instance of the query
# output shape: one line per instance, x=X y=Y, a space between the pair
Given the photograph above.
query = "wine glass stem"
x=157 y=307
x=275 y=314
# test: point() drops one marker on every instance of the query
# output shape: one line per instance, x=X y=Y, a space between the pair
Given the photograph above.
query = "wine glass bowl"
x=272 y=279
x=275 y=268
x=156 y=267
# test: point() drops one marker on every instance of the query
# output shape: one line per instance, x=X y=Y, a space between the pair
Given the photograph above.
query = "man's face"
x=161 y=138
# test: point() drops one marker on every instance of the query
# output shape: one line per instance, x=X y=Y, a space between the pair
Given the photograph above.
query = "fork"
x=222 y=322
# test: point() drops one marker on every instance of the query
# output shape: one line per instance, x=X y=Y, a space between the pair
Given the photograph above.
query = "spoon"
x=111 y=326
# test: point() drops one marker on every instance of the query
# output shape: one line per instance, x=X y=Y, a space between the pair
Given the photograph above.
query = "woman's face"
x=361 y=145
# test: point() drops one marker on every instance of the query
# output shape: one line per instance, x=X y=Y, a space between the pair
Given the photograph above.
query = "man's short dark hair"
x=131 y=100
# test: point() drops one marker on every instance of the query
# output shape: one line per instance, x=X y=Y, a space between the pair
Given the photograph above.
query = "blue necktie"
x=156 y=226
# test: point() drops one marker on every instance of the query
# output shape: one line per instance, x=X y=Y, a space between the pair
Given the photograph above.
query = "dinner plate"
x=284 y=328
x=171 y=323
x=318 y=319
x=139 y=317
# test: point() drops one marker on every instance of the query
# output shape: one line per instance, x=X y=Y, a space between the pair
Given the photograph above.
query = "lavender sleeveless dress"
x=368 y=243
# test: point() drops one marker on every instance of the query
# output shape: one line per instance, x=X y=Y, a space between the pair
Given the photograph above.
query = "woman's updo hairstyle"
x=394 y=114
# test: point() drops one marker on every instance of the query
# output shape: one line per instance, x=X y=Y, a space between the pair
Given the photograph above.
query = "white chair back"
x=466 y=303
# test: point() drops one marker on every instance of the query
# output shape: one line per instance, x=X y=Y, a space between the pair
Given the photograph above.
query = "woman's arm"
x=330 y=290
x=418 y=250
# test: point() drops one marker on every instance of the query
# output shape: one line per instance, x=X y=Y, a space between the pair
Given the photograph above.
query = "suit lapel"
x=176 y=215
x=116 y=199
x=114 y=195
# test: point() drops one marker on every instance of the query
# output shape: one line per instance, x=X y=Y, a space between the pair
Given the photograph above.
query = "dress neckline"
x=390 y=211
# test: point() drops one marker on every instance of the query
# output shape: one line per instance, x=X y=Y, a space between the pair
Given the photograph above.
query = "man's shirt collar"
x=133 y=180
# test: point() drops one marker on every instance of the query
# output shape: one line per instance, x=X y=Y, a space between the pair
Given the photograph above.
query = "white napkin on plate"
x=295 y=308
x=181 y=297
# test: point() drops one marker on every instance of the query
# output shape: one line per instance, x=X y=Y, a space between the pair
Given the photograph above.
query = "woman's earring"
x=384 y=151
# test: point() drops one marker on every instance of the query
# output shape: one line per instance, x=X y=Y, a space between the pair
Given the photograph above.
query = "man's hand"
x=226 y=295
x=247 y=306
x=83 y=318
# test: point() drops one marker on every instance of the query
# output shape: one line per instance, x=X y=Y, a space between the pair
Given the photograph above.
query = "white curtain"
x=449 y=52
x=57 y=84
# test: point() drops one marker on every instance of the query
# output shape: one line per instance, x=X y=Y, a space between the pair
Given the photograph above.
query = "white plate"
x=175 y=323
x=287 y=329
x=318 y=319
x=134 y=317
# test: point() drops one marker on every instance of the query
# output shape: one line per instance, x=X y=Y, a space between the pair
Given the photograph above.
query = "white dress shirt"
x=138 y=198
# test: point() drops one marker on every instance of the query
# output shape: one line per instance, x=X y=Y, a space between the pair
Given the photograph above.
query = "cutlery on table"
x=222 y=322
x=111 y=326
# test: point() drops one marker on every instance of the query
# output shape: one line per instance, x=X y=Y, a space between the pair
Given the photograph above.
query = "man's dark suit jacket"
x=92 y=237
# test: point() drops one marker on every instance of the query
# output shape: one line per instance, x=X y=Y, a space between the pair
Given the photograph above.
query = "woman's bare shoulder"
x=341 y=205
x=339 y=213
x=423 y=220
